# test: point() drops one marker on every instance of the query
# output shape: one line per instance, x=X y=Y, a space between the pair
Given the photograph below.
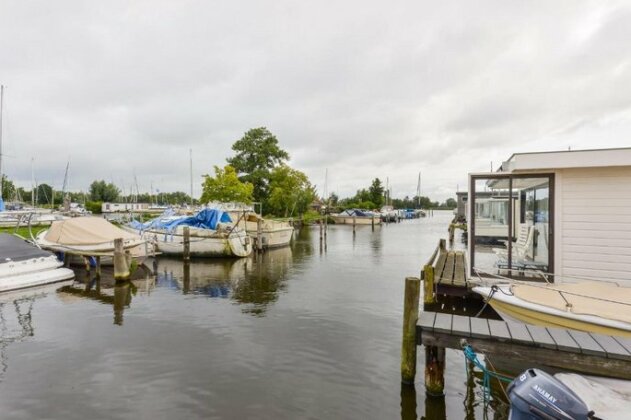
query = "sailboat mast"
x=1 y=108
x=190 y=152
x=32 y=183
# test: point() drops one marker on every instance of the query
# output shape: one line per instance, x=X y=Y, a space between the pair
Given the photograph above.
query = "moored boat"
x=359 y=217
x=212 y=234
x=597 y=307
x=24 y=265
x=90 y=236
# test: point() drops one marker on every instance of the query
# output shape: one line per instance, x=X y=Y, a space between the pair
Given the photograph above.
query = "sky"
x=355 y=89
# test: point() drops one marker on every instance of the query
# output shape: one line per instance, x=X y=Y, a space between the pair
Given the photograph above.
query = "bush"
x=94 y=206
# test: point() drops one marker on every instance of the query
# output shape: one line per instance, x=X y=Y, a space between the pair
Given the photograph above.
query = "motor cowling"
x=536 y=395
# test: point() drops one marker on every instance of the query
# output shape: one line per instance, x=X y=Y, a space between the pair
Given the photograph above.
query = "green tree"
x=44 y=194
x=290 y=192
x=8 y=189
x=257 y=153
x=102 y=191
x=225 y=186
x=376 y=192
x=450 y=203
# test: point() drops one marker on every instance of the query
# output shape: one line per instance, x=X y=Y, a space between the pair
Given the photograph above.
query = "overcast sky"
x=364 y=88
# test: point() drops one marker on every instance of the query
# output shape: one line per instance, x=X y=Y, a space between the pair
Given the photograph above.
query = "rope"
x=472 y=357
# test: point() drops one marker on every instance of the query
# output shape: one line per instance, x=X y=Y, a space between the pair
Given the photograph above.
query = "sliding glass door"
x=511 y=224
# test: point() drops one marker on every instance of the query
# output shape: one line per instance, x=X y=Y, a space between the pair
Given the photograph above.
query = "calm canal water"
x=302 y=332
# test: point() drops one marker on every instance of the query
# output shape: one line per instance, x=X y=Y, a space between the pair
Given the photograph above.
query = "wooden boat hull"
x=511 y=308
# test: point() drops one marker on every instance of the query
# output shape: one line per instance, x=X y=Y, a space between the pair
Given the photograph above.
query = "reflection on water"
x=16 y=319
x=306 y=331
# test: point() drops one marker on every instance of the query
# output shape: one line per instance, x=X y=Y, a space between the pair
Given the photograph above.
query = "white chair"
x=522 y=249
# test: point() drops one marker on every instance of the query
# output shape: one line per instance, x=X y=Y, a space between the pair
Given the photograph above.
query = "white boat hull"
x=512 y=308
x=237 y=244
x=16 y=275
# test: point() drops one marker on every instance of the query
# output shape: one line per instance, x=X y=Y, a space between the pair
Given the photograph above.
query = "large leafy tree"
x=376 y=192
x=291 y=192
x=102 y=191
x=225 y=186
x=257 y=153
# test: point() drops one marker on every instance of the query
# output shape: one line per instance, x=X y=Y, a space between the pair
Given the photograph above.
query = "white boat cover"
x=606 y=300
x=85 y=231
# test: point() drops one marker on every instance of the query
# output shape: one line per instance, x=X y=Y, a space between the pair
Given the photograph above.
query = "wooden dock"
x=583 y=352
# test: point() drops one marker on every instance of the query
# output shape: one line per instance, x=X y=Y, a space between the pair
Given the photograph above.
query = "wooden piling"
x=321 y=230
x=410 y=317
x=187 y=244
x=121 y=270
x=428 y=284
x=326 y=225
x=354 y=223
x=372 y=222
x=259 y=235
x=66 y=259
x=98 y=267
x=435 y=371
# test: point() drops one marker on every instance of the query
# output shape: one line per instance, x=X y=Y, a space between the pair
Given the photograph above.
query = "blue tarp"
x=1 y=204
x=205 y=219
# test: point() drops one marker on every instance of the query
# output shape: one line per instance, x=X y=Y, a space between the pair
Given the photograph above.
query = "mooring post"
x=452 y=228
x=259 y=235
x=435 y=371
x=372 y=222
x=66 y=259
x=98 y=267
x=428 y=284
x=186 y=244
x=354 y=223
x=410 y=318
x=326 y=225
x=121 y=270
x=321 y=229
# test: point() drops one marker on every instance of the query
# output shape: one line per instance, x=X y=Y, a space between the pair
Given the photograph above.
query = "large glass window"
x=511 y=224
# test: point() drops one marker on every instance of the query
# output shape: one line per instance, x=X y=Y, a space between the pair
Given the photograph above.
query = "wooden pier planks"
x=450 y=269
x=569 y=349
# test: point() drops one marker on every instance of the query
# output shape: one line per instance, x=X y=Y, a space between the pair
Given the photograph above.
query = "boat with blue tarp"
x=212 y=234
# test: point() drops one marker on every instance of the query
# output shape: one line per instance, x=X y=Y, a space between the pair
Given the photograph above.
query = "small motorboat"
x=591 y=306
x=22 y=265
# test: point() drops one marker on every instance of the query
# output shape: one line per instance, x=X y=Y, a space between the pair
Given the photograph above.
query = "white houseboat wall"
x=570 y=215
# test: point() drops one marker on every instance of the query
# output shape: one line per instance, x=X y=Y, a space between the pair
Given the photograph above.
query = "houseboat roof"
x=567 y=159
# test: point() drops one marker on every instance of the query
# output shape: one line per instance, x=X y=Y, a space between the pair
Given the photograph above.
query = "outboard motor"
x=535 y=395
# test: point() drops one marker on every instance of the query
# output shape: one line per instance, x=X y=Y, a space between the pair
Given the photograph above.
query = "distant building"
x=123 y=207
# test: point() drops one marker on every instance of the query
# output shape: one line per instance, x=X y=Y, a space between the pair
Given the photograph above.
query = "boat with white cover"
x=91 y=236
x=24 y=265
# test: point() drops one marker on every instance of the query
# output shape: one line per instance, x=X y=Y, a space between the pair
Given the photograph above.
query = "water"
x=302 y=332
